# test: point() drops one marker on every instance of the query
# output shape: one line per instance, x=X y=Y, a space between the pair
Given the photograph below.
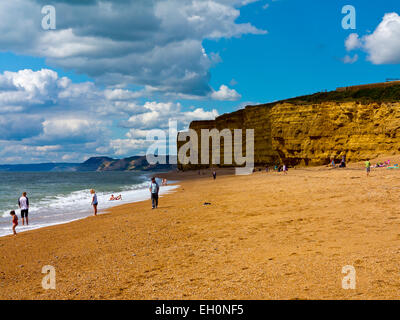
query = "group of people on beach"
x=23 y=204
x=368 y=165
x=277 y=168
x=342 y=163
x=385 y=164
x=154 y=189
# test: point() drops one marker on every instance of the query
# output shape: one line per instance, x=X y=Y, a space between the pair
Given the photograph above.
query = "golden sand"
x=264 y=236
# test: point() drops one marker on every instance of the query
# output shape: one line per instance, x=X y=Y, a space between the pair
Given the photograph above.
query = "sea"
x=62 y=197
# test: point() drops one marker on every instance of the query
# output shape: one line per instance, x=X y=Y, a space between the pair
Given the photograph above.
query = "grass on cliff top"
x=367 y=95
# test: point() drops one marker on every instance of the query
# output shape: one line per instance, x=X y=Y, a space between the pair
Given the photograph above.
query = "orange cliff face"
x=310 y=133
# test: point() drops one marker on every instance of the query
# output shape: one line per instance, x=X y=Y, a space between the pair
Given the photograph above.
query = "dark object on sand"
x=207 y=203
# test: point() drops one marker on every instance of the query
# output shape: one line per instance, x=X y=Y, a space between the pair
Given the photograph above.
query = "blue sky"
x=302 y=52
x=113 y=71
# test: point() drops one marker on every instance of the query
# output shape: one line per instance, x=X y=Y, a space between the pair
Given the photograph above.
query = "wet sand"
x=264 y=236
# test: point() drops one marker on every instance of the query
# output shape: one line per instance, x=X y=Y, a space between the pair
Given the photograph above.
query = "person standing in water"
x=368 y=167
x=23 y=204
x=154 y=189
x=94 y=201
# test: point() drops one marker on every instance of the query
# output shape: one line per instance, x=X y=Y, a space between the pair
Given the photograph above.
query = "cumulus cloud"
x=50 y=116
x=157 y=115
x=71 y=130
x=26 y=86
x=17 y=127
x=353 y=42
x=383 y=45
x=154 y=116
x=152 y=46
x=224 y=93
x=147 y=43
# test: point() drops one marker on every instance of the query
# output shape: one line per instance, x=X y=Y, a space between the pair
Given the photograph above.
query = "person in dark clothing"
x=154 y=189
x=214 y=175
x=343 y=162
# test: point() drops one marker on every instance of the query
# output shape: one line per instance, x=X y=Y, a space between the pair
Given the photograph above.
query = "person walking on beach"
x=23 y=203
x=14 y=221
x=94 y=201
x=368 y=167
x=343 y=162
x=154 y=188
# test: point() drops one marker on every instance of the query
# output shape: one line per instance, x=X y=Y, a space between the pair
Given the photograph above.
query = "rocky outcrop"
x=312 y=130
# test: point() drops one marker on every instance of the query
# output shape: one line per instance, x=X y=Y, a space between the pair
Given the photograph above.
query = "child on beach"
x=14 y=221
x=94 y=201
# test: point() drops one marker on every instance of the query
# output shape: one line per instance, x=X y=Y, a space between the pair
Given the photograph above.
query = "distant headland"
x=135 y=163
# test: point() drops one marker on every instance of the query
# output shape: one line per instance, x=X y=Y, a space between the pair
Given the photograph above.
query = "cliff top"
x=363 y=94
x=378 y=93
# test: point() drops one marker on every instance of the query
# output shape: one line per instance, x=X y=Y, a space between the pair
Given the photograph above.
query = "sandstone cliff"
x=313 y=129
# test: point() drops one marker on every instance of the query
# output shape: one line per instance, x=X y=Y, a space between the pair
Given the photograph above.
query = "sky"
x=97 y=77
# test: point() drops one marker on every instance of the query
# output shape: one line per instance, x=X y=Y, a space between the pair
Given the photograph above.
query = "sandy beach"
x=264 y=236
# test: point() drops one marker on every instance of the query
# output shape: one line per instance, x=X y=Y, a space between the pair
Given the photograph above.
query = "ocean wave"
x=75 y=205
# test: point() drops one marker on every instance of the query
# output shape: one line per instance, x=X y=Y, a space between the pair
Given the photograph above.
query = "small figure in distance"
x=112 y=198
x=368 y=167
x=94 y=201
x=14 y=221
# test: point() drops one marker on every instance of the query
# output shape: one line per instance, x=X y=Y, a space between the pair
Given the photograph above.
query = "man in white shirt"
x=23 y=204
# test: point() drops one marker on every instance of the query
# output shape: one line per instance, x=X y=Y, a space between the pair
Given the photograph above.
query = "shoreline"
x=263 y=236
x=173 y=181
x=89 y=211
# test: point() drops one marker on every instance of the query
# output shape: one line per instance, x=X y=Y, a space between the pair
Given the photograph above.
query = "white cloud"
x=121 y=95
x=48 y=116
x=72 y=129
x=157 y=115
x=27 y=86
x=147 y=43
x=353 y=42
x=383 y=45
x=123 y=147
x=350 y=60
x=224 y=93
x=152 y=46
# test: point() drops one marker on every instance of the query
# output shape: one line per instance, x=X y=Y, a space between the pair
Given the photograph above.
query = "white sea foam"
x=74 y=206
